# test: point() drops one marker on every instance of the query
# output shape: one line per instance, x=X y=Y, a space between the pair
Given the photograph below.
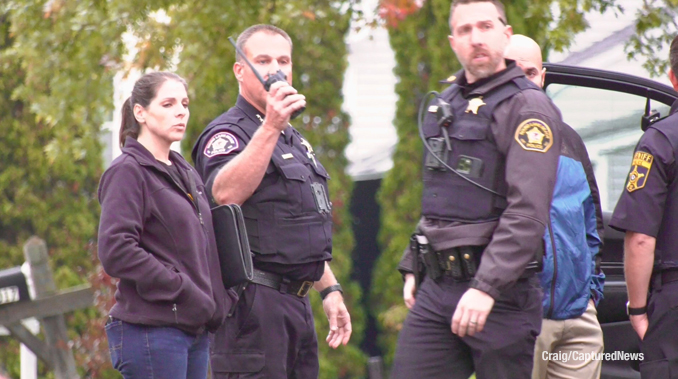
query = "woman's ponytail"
x=129 y=126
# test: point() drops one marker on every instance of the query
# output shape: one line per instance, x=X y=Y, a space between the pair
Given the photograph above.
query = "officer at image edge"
x=647 y=211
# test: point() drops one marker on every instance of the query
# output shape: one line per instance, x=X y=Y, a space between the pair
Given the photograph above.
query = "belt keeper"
x=284 y=284
x=655 y=282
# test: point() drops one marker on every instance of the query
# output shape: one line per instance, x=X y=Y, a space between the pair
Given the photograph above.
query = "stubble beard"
x=484 y=70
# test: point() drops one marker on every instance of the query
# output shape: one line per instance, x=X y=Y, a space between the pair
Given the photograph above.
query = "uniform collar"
x=485 y=85
x=674 y=108
x=249 y=110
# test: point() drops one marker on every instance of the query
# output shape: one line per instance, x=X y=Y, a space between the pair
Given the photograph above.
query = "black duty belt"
x=461 y=262
x=298 y=288
x=666 y=276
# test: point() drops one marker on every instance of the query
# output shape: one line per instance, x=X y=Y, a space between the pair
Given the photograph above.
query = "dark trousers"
x=152 y=352
x=660 y=345
x=504 y=349
x=271 y=335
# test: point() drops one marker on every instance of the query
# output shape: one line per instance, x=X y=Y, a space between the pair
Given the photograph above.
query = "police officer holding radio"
x=252 y=156
x=490 y=167
x=648 y=212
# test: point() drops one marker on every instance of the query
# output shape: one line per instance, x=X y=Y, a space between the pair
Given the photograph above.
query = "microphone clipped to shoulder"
x=277 y=77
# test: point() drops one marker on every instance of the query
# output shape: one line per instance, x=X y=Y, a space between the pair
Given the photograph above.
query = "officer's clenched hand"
x=340 y=320
x=640 y=324
x=472 y=311
x=408 y=290
x=282 y=100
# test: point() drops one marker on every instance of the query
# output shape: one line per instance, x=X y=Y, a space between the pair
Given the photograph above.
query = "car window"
x=609 y=124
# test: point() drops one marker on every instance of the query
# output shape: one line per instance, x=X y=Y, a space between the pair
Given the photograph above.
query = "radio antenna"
x=240 y=52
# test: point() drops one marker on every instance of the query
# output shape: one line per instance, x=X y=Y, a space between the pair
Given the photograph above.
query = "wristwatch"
x=635 y=311
x=328 y=290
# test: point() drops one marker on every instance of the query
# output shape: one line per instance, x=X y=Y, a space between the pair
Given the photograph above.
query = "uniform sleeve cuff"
x=625 y=225
x=404 y=271
x=482 y=286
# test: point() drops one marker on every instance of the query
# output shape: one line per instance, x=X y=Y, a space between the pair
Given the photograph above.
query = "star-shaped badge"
x=535 y=135
x=474 y=104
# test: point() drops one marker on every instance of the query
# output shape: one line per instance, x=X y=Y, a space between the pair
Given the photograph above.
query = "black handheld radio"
x=277 y=77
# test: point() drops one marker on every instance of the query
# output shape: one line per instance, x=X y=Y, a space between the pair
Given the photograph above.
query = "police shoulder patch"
x=640 y=170
x=534 y=135
x=221 y=143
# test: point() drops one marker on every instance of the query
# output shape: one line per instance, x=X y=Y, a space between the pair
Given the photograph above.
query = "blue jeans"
x=151 y=352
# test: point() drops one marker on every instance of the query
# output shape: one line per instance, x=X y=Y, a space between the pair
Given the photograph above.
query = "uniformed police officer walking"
x=479 y=306
x=648 y=212
x=252 y=156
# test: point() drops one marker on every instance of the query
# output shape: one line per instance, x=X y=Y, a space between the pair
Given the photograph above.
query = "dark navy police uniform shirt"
x=649 y=202
x=220 y=142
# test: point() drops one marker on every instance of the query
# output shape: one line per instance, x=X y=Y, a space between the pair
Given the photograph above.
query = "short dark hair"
x=498 y=4
x=145 y=90
x=249 y=32
x=673 y=56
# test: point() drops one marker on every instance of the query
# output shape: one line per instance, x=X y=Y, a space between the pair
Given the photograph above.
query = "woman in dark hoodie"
x=156 y=236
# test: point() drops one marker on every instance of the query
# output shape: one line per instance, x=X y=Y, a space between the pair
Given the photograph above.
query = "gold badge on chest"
x=474 y=104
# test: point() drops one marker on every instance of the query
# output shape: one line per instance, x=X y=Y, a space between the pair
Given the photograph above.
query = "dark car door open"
x=607 y=109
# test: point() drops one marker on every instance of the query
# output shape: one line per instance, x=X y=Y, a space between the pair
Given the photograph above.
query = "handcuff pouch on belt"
x=459 y=262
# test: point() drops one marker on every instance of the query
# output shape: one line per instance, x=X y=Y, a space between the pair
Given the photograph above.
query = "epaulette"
x=450 y=79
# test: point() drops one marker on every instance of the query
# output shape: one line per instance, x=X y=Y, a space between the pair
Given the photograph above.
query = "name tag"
x=287 y=156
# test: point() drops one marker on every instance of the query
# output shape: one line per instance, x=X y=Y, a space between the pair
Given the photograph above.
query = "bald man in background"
x=527 y=54
x=571 y=339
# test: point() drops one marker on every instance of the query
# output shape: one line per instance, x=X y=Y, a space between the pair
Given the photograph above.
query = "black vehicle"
x=610 y=110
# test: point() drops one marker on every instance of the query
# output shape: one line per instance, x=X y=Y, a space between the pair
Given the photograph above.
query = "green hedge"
x=423 y=57
x=50 y=156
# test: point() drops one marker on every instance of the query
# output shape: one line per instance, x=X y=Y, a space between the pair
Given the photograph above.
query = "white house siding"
x=370 y=99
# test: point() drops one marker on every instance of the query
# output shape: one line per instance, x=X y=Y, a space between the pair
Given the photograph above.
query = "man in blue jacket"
x=571 y=337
